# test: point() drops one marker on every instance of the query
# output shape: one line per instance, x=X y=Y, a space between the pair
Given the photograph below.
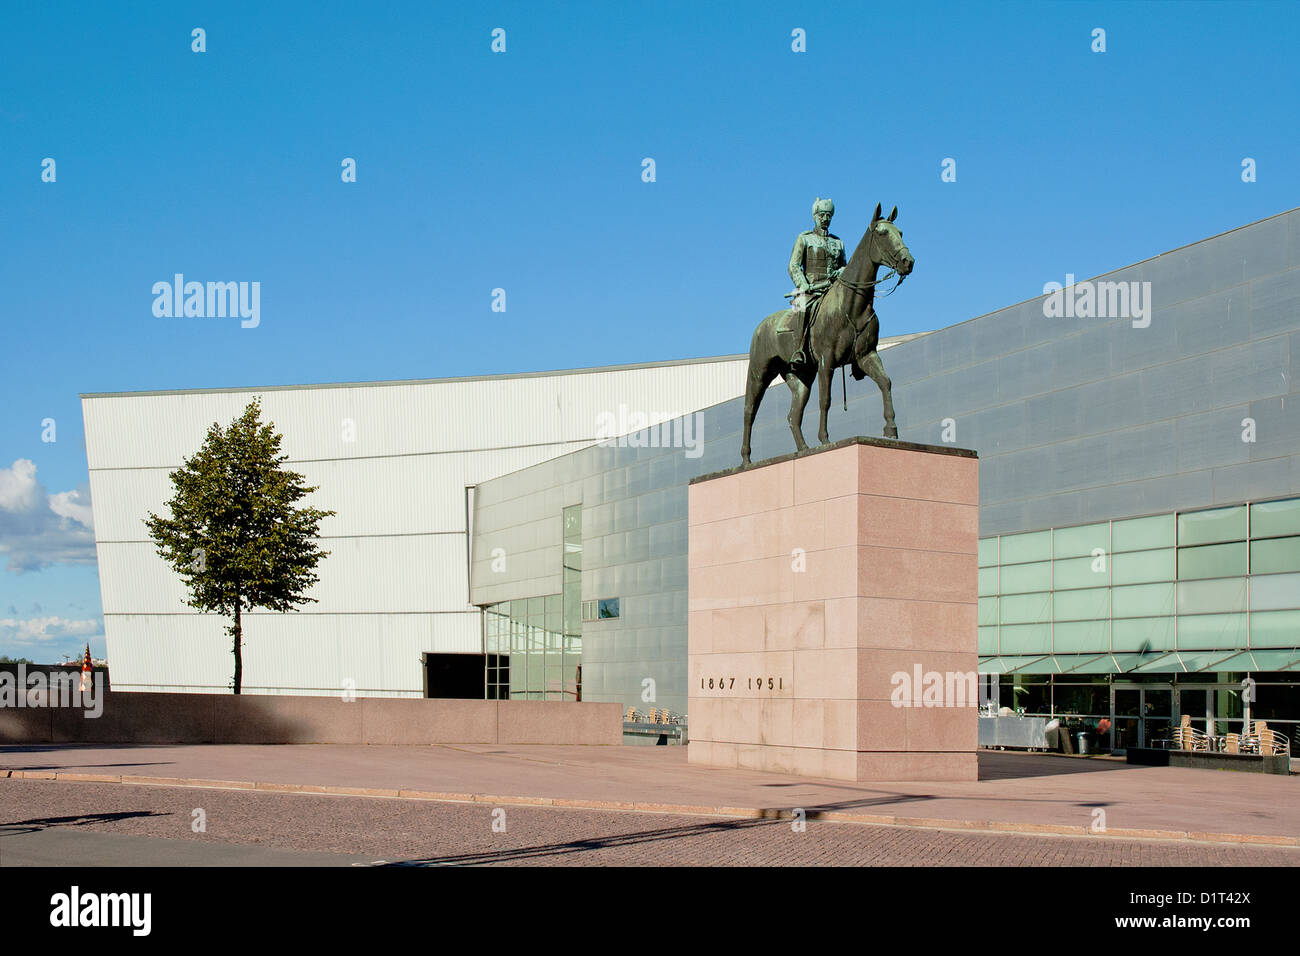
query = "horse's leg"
x=876 y=369
x=825 y=375
x=755 y=388
x=798 y=399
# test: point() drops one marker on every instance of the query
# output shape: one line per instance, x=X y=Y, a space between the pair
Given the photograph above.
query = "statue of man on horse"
x=833 y=322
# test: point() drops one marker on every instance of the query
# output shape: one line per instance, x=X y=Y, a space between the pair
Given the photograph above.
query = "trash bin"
x=1083 y=743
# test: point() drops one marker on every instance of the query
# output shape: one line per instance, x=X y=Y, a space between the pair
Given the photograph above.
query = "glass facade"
x=1143 y=620
x=533 y=646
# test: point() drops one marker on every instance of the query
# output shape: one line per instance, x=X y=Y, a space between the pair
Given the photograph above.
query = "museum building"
x=1139 y=509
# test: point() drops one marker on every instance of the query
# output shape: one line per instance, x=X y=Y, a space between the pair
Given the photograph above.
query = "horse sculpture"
x=845 y=332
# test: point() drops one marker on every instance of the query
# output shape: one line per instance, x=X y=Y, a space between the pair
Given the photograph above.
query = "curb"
x=744 y=813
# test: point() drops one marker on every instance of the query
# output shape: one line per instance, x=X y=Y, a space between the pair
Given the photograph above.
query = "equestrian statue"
x=831 y=323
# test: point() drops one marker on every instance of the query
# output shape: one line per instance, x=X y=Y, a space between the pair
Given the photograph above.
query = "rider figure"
x=816 y=262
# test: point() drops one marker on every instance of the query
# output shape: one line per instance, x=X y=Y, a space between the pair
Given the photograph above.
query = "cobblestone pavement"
x=434 y=833
x=1019 y=790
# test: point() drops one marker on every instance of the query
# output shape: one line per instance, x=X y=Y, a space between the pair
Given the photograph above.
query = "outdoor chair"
x=1189 y=738
x=1271 y=742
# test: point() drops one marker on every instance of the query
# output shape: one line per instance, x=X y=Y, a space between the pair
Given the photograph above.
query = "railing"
x=656 y=716
x=658 y=723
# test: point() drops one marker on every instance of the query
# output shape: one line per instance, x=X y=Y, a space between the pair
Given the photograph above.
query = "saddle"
x=790 y=326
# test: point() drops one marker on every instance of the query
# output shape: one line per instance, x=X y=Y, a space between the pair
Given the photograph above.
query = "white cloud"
x=40 y=630
x=74 y=505
x=38 y=529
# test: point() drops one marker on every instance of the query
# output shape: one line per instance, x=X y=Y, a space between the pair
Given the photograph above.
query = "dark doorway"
x=454 y=675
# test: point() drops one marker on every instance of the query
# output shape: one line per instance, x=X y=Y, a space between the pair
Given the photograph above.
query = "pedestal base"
x=833 y=614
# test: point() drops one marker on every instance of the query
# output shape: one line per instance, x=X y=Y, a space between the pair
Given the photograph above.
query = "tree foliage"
x=235 y=533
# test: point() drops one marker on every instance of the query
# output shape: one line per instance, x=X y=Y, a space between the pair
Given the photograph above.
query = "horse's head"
x=887 y=246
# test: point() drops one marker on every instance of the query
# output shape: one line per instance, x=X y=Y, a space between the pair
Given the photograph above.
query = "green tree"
x=235 y=535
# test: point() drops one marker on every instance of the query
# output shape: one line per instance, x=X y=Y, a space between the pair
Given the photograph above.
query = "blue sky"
x=522 y=170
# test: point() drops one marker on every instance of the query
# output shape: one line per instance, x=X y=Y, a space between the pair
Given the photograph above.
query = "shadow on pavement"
x=1004 y=765
x=487 y=857
x=35 y=824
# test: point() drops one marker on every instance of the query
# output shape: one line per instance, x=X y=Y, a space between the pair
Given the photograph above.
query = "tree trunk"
x=236 y=633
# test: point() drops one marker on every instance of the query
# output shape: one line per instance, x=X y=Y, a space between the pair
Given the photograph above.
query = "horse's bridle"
x=861 y=288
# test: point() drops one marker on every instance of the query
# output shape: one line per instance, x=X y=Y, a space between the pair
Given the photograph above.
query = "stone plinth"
x=833 y=613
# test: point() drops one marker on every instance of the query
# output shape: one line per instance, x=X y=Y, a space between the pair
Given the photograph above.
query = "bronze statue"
x=841 y=327
x=817 y=261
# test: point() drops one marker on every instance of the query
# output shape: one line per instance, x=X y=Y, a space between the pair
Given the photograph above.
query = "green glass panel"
x=988 y=583
x=1207 y=631
x=1212 y=597
x=1138 y=534
x=1085 y=664
x=1080 y=540
x=1274 y=592
x=1087 y=605
x=988 y=552
x=988 y=610
x=1027 y=639
x=1275 y=629
x=1019 y=578
x=1212 y=561
x=1033 y=546
x=1208 y=527
x=518 y=672
x=1080 y=573
x=1026 y=608
x=1274 y=555
x=1142 y=634
x=988 y=641
x=1143 y=600
x=1140 y=567
x=1269 y=518
x=1077 y=637
x=554 y=609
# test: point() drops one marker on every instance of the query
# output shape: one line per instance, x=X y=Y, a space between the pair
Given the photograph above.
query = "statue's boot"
x=801 y=355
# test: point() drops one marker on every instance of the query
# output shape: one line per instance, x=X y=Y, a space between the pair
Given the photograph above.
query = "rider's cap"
x=823 y=204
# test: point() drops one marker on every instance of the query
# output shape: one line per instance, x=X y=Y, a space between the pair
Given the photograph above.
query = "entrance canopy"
x=1151 y=662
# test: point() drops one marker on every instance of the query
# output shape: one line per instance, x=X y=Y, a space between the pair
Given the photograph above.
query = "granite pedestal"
x=833 y=613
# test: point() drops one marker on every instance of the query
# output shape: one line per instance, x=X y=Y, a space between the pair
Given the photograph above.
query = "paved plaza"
x=1079 y=802
x=45 y=822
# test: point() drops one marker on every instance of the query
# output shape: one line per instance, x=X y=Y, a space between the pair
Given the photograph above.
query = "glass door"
x=1142 y=714
x=1126 y=706
x=1157 y=713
